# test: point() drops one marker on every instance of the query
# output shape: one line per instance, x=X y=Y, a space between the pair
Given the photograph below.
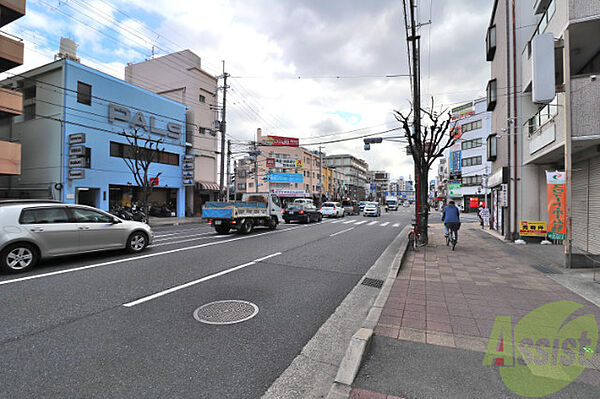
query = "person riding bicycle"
x=451 y=219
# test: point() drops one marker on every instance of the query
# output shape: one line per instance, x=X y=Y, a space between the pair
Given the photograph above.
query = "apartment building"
x=354 y=172
x=552 y=115
x=11 y=99
x=180 y=77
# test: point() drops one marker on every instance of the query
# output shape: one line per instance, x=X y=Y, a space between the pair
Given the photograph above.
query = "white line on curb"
x=210 y=277
x=340 y=232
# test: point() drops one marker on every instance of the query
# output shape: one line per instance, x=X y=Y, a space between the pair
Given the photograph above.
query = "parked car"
x=332 y=209
x=362 y=204
x=304 y=213
x=372 y=209
x=34 y=230
x=351 y=207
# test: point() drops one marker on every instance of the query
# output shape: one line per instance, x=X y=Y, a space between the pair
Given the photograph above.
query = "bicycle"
x=452 y=237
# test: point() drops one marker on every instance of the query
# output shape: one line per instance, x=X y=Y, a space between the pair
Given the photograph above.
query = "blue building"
x=77 y=130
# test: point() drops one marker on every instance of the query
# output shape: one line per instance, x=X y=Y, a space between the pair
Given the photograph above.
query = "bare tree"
x=141 y=153
x=426 y=144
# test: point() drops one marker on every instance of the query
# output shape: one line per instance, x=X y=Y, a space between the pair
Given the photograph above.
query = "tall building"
x=467 y=163
x=355 y=175
x=549 y=116
x=180 y=77
x=381 y=180
x=11 y=99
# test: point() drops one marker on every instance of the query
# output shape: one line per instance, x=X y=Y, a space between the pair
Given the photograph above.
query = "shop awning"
x=203 y=186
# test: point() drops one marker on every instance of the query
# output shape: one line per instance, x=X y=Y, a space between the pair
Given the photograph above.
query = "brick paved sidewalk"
x=451 y=299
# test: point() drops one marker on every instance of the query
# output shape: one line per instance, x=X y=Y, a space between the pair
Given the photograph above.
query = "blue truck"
x=255 y=209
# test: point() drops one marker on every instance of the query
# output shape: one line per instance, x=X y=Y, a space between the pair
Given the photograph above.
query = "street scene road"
x=115 y=325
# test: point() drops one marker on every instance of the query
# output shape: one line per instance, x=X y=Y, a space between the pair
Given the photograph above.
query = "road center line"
x=340 y=232
x=210 y=277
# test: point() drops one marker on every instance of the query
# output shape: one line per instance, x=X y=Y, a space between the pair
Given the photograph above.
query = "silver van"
x=36 y=229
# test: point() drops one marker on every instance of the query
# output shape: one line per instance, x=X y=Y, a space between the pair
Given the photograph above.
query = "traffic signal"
x=373 y=140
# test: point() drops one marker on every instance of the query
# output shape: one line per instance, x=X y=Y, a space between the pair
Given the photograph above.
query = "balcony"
x=11 y=10
x=10 y=158
x=11 y=103
x=11 y=52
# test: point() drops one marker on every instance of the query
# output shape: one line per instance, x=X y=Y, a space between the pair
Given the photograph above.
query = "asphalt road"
x=113 y=325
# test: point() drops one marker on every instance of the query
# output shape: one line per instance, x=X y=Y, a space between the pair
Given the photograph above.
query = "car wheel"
x=319 y=218
x=19 y=257
x=246 y=227
x=273 y=223
x=137 y=241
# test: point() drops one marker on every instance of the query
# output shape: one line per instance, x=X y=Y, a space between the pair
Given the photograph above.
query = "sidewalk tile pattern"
x=448 y=298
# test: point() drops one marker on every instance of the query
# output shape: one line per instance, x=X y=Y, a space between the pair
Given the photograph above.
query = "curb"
x=177 y=222
x=350 y=364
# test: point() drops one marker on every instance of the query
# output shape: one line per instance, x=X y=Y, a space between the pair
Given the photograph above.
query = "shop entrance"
x=87 y=196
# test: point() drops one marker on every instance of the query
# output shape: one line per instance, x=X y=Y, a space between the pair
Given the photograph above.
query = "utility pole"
x=256 y=167
x=223 y=129
x=228 y=167
x=320 y=175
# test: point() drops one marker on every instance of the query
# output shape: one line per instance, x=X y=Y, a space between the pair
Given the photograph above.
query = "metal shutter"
x=579 y=201
x=594 y=206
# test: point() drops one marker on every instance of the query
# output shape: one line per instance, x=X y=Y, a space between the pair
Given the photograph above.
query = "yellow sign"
x=533 y=228
x=299 y=163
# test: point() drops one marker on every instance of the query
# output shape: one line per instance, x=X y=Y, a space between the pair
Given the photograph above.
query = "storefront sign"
x=289 y=193
x=474 y=202
x=288 y=163
x=557 y=205
x=76 y=138
x=271 y=163
x=282 y=141
x=153 y=181
x=454 y=189
x=187 y=174
x=188 y=166
x=77 y=150
x=463 y=111
x=76 y=162
x=76 y=174
x=504 y=196
x=188 y=182
x=532 y=228
x=284 y=177
x=188 y=158
x=455 y=161
x=138 y=120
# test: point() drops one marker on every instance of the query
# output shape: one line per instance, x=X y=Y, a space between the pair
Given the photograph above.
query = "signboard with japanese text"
x=286 y=163
x=455 y=160
x=290 y=193
x=532 y=228
x=463 y=111
x=454 y=189
x=557 y=205
x=284 y=177
x=271 y=163
x=282 y=141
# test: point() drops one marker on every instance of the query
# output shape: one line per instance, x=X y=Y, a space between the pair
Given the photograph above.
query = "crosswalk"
x=357 y=222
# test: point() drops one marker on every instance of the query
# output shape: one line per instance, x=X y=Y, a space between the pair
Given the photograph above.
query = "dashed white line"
x=361 y=222
x=384 y=224
x=372 y=223
x=210 y=277
x=396 y=225
x=175 y=238
x=336 y=221
x=350 y=221
x=340 y=232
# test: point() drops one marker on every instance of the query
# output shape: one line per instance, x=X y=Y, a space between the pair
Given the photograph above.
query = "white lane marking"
x=112 y=262
x=210 y=277
x=396 y=225
x=350 y=221
x=175 y=238
x=384 y=224
x=372 y=223
x=336 y=221
x=359 y=223
x=340 y=232
x=179 y=232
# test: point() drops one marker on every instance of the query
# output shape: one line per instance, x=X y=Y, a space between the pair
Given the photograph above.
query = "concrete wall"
x=582 y=9
x=585 y=97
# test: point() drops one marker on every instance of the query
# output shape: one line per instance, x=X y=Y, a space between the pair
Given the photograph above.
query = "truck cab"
x=274 y=204
x=392 y=203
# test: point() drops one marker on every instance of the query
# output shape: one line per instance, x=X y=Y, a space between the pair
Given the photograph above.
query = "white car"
x=332 y=210
x=303 y=201
x=372 y=209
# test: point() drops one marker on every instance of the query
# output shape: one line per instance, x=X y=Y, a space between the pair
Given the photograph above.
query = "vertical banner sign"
x=557 y=205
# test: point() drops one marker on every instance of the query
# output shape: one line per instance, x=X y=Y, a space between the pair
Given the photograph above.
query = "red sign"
x=456 y=132
x=282 y=141
x=153 y=181
x=474 y=202
x=270 y=162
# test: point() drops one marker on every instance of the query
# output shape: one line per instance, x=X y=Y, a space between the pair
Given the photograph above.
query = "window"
x=467 y=127
x=492 y=94
x=29 y=92
x=472 y=161
x=44 y=215
x=545 y=114
x=89 y=216
x=467 y=145
x=29 y=112
x=490 y=43
x=84 y=93
x=241 y=173
x=492 y=147
x=202 y=130
x=250 y=185
x=121 y=150
x=241 y=186
x=472 y=180
x=87 y=160
x=201 y=98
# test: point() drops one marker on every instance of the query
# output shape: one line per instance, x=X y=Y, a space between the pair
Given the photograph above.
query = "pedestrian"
x=480 y=214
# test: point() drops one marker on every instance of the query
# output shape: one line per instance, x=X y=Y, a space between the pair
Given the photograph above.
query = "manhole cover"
x=225 y=312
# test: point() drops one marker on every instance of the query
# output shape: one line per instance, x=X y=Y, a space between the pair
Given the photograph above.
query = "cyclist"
x=451 y=219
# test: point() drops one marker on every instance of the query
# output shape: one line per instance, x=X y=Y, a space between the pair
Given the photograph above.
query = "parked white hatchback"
x=332 y=210
x=36 y=229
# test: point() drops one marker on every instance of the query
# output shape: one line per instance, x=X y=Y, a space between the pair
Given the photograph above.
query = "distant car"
x=332 y=209
x=303 y=201
x=34 y=230
x=372 y=209
x=406 y=204
x=351 y=207
x=304 y=213
x=362 y=204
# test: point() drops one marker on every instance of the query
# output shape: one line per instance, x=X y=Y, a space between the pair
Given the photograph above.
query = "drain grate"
x=225 y=312
x=545 y=269
x=372 y=282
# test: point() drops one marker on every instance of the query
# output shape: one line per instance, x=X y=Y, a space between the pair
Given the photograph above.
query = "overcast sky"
x=284 y=57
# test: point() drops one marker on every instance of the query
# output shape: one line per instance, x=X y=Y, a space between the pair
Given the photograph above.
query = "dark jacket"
x=451 y=214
